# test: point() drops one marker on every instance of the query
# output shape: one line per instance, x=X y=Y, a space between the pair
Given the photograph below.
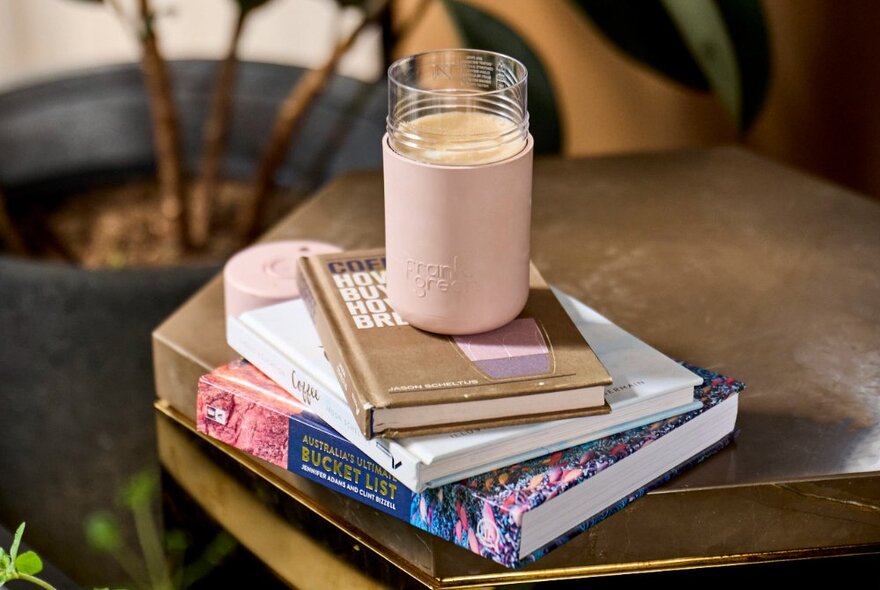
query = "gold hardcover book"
x=402 y=381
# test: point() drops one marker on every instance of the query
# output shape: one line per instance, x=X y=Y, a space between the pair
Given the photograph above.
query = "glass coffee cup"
x=457 y=159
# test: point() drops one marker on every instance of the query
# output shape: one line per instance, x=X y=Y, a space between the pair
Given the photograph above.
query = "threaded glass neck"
x=457 y=107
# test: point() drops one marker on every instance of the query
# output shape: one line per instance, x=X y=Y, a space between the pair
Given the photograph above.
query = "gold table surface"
x=714 y=256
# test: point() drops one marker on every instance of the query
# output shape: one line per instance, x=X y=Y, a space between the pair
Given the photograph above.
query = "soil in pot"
x=121 y=225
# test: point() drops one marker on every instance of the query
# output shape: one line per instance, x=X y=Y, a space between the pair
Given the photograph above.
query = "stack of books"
x=506 y=443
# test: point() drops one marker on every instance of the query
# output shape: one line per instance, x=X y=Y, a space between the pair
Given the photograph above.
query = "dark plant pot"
x=75 y=371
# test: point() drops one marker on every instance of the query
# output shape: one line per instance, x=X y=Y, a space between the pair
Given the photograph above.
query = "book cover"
x=400 y=381
x=240 y=406
x=282 y=342
x=512 y=515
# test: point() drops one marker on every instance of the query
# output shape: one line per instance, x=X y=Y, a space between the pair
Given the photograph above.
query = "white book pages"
x=646 y=385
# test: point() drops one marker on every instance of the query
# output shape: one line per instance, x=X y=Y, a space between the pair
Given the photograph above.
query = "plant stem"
x=322 y=157
x=217 y=550
x=214 y=140
x=50 y=242
x=33 y=580
x=151 y=545
x=166 y=131
x=131 y=565
x=9 y=235
x=295 y=105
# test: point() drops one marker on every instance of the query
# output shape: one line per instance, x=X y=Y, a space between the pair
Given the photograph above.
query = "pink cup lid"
x=266 y=274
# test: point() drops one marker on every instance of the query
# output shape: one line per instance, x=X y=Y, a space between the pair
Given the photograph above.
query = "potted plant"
x=75 y=373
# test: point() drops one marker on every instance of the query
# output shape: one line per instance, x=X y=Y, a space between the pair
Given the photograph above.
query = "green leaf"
x=139 y=490
x=29 y=563
x=219 y=548
x=718 y=45
x=16 y=541
x=748 y=31
x=646 y=33
x=102 y=532
x=704 y=32
x=176 y=541
x=480 y=30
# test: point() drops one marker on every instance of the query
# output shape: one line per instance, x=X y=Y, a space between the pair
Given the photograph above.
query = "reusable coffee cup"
x=457 y=160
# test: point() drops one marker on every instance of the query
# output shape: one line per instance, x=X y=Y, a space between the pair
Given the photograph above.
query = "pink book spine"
x=238 y=412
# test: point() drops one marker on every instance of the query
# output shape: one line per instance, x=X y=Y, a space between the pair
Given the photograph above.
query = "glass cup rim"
x=521 y=81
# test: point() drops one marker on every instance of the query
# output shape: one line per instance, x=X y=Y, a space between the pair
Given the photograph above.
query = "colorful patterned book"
x=512 y=515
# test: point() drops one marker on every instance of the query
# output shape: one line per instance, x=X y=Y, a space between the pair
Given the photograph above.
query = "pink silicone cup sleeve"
x=457 y=241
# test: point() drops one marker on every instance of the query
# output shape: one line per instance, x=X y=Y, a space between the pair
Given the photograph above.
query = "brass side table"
x=714 y=256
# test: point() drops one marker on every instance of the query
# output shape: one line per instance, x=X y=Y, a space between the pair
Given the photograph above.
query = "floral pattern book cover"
x=241 y=407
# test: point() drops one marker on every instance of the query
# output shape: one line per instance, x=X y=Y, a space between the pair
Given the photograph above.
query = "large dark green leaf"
x=704 y=32
x=748 y=32
x=645 y=31
x=727 y=53
x=480 y=30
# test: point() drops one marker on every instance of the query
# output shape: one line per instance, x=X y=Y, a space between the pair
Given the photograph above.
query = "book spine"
x=337 y=464
x=465 y=519
x=315 y=297
x=304 y=447
x=242 y=423
x=300 y=445
x=329 y=407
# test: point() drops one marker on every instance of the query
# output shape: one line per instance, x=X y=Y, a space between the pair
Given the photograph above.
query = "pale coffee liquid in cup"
x=461 y=138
